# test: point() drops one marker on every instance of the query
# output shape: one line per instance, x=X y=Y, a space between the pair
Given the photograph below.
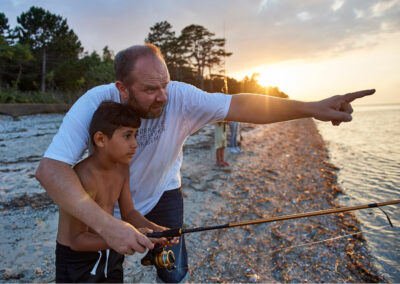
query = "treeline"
x=42 y=60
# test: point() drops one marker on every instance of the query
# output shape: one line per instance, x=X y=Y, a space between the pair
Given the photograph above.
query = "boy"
x=81 y=254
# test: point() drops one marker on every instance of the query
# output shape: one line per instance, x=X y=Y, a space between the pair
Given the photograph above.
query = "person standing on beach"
x=220 y=143
x=234 y=126
x=170 y=111
x=81 y=254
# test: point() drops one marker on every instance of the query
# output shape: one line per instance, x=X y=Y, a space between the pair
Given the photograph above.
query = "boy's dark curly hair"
x=111 y=115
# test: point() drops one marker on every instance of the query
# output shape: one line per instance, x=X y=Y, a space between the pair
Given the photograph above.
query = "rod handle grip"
x=165 y=234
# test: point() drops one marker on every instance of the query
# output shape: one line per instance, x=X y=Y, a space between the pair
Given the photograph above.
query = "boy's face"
x=122 y=145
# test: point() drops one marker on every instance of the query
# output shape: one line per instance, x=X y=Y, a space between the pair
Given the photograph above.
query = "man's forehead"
x=151 y=70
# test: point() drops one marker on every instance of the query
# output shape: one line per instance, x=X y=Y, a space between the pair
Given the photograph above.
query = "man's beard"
x=154 y=114
x=146 y=114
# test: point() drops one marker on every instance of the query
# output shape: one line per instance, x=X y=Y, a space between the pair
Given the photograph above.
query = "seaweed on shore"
x=284 y=170
x=35 y=200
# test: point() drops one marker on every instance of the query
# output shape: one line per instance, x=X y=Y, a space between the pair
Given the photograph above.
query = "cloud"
x=267 y=30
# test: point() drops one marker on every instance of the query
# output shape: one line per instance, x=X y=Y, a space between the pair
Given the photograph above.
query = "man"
x=170 y=111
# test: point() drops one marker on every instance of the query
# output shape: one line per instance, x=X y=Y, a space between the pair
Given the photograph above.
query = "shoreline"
x=16 y=110
x=283 y=170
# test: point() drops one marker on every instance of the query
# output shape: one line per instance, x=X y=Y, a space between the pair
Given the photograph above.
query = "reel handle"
x=165 y=234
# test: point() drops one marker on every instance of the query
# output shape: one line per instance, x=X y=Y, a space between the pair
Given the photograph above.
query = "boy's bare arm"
x=128 y=211
x=134 y=217
x=63 y=186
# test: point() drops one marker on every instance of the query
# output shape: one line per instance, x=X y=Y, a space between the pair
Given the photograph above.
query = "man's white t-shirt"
x=156 y=164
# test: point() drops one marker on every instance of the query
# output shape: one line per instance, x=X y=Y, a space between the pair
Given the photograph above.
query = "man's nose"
x=161 y=95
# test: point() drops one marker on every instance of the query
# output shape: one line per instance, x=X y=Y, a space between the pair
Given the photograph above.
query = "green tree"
x=5 y=50
x=108 y=55
x=4 y=27
x=52 y=42
x=164 y=38
x=203 y=50
x=98 y=69
x=21 y=55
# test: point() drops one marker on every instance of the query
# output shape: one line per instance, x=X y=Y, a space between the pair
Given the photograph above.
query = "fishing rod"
x=180 y=231
x=165 y=259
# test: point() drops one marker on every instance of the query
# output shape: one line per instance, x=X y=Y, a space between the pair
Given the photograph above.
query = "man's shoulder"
x=93 y=97
x=179 y=87
x=107 y=88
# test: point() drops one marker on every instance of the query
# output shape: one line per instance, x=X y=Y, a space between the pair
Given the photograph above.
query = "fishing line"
x=270 y=252
x=330 y=239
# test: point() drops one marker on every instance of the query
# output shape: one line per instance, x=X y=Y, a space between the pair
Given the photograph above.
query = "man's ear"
x=123 y=91
x=99 y=139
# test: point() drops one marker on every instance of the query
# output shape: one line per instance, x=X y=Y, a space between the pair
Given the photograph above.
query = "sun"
x=277 y=76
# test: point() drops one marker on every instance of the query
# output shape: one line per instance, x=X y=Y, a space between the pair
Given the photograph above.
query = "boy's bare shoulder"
x=85 y=170
x=83 y=166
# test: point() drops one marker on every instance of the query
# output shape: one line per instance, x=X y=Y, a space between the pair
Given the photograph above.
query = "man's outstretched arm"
x=263 y=109
x=64 y=188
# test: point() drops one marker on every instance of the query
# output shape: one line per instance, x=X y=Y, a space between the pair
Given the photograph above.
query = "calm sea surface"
x=367 y=151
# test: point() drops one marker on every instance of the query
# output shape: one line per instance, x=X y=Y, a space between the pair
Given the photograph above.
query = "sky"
x=310 y=49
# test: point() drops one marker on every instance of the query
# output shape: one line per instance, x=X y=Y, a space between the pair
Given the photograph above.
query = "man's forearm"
x=263 y=109
x=64 y=188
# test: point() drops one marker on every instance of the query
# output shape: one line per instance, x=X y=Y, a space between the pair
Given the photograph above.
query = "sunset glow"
x=374 y=67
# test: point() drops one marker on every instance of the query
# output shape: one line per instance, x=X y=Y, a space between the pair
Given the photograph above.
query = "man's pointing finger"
x=356 y=95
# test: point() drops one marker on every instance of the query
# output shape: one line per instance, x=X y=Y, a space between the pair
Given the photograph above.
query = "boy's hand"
x=161 y=241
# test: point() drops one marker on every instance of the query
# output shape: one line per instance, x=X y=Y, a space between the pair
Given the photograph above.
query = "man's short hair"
x=109 y=116
x=125 y=60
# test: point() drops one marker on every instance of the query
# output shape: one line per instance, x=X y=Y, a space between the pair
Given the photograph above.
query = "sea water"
x=367 y=153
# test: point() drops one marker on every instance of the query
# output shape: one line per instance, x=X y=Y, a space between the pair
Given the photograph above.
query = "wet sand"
x=283 y=170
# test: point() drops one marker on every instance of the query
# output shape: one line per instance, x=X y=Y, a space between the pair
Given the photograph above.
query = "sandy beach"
x=283 y=170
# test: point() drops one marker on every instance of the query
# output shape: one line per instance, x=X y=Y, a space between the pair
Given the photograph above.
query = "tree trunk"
x=43 y=87
x=200 y=77
x=19 y=75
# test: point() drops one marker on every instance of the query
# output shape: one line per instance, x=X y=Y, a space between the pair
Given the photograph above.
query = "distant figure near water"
x=234 y=126
x=220 y=143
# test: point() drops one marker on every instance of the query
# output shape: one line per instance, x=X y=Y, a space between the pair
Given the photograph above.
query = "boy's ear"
x=123 y=91
x=99 y=139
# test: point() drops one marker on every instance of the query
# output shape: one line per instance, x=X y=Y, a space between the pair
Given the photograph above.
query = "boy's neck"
x=102 y=161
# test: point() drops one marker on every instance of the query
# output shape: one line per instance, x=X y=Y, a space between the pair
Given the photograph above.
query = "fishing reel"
x=160 y=257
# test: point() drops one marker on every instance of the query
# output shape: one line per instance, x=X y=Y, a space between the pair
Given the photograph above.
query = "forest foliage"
x=42 y=60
